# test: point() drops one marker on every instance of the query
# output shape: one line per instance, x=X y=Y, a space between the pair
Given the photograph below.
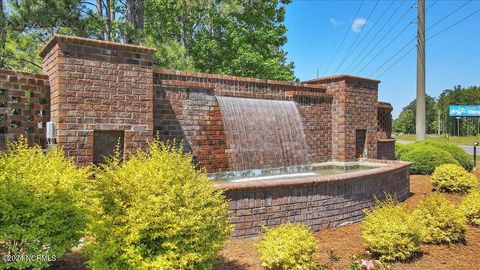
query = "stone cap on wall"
x=93 y=42
x=342 y=77
x=43 y=78
x=208 y=80
x=385 y=105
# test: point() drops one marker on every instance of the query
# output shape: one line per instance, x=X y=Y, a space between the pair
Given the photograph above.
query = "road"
x=467 y=148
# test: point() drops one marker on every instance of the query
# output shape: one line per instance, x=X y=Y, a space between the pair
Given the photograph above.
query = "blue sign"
x=465 y=110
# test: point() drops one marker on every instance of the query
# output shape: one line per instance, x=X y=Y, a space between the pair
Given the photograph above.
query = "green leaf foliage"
x=391 y=232
x=155 y=211
x=453 y=178
x=288 y=247
x=42 y=204
x=464 y=159
x=426 y=158
x=440 y=220
x=470 y=207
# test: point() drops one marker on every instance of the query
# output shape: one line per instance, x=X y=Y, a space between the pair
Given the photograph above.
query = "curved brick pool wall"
x=110 y=89
x=321 y=202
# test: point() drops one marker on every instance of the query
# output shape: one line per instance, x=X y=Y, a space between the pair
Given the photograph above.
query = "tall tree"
x=3 y=26
x=134 y=16
x=232 y=37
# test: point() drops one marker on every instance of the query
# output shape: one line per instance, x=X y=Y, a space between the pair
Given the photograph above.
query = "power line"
x=383 y=37
x=413 y=39
x=358 y=35
x=343 y=39
x=375 y=36
x=431 y=37
x=431 y=5
x=388 y=44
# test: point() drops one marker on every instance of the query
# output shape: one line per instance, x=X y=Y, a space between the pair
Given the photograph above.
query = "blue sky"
x=316 y=28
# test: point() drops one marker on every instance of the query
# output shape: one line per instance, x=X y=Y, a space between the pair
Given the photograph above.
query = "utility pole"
x=420 y=116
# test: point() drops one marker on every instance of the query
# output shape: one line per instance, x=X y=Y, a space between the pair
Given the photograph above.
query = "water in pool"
x=290 y=172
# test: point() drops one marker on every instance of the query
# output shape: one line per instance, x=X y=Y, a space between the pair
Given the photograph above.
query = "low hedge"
x=156 y=211
x=453 y=178
x=288 y=247
x=426 y=158
x=470 y=207
x=441 y=221
x=43 y=211
x=391 y=232
x=454 y=150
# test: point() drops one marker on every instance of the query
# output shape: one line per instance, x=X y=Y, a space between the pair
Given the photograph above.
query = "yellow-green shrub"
x=453 y=178
x=390 y=232
x=470 y=207
x=440 y=220
x=288 y=247
x=42 y=211
x=155 y=211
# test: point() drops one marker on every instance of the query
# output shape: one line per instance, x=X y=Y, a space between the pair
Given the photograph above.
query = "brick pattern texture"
x=24 y=106
x=98 y=85
x=320 y=203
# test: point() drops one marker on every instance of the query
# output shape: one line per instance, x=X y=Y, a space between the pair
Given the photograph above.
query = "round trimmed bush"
x=464 y=159
x=441 y=221
x=42 y=210
x=288 y=247
x=426 y=158
x=453 y=178
x=470 y=207
x=401 y=149
x=155 y=211
x=391 y=232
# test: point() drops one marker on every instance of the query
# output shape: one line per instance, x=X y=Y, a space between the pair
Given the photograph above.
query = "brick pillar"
x=355 y=107
x=99 y=85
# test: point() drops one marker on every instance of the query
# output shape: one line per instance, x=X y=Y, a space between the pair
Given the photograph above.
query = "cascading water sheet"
x=263 y=133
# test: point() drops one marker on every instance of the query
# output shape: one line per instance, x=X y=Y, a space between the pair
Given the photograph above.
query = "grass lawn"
x=468 y=140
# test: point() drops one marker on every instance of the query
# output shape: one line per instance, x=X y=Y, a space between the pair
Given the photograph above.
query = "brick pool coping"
x=390 y=166
x=319 y=202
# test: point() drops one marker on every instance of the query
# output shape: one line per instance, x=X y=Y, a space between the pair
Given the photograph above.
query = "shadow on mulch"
x=73 y=260
x=230 y=264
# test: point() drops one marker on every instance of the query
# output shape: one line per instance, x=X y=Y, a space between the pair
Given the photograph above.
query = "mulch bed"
x=345 y=242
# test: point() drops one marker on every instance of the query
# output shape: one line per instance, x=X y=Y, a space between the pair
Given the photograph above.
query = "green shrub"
x=426 y=158
x=155 y=211
x=390 y=232
x=453 y=178
x=440 y=220
x=41 y=207
x=401 y=149
x=464 y=159
x=470 y=207
x=288 y=247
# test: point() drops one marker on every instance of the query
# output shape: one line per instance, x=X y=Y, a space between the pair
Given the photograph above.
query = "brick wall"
x=24 y=106
x=185 y=108
x=98 y=85
x=321 y=202
x=354 y=107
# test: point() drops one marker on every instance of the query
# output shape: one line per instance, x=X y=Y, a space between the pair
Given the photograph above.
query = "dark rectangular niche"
x=105 y=142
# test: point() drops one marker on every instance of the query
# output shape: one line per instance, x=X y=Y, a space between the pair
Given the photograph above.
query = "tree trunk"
x=3 y=27
x=108 y=15
x=135 y=18
x=100 y=15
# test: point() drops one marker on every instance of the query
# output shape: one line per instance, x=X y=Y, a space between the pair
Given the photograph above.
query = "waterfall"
x=262 y=133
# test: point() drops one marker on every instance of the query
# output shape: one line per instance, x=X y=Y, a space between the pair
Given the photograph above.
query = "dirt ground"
x=345 y=242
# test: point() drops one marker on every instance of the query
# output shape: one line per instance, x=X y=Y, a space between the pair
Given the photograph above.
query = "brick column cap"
x=93 y=42
x=342 y=77
x=385 y=105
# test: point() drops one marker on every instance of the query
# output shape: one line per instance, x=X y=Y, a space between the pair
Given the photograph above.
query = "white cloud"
x=335 y=23
x=358 y=24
